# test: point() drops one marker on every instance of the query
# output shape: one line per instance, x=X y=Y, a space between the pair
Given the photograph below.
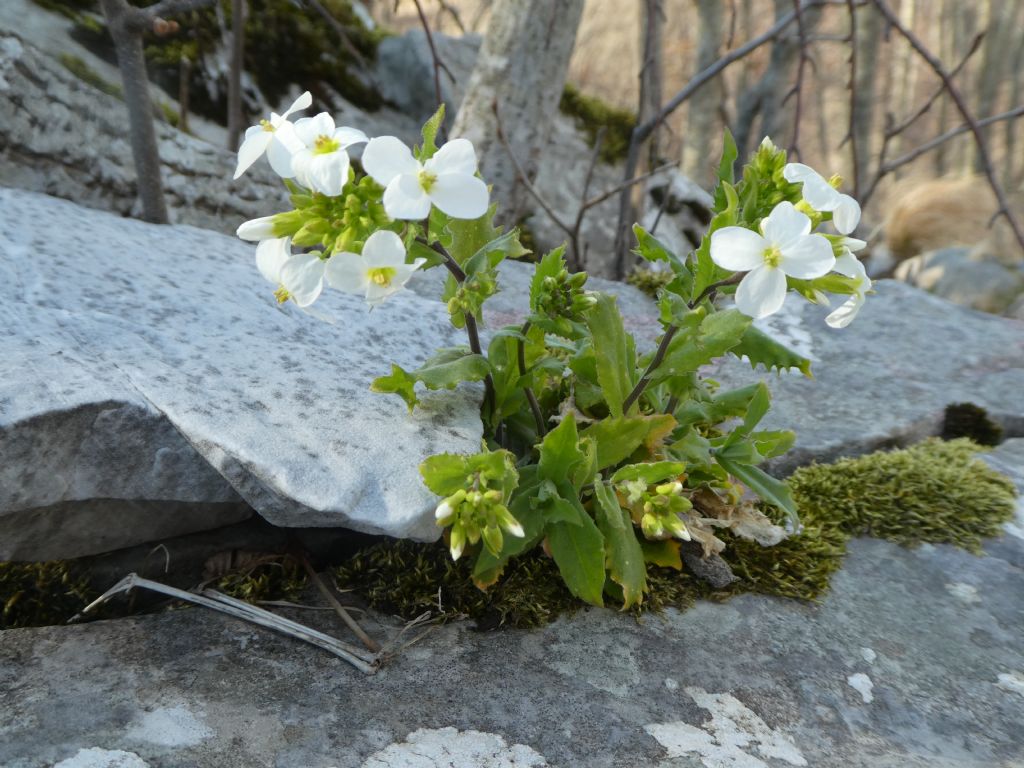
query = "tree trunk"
x=184 y=92
x=652 y=24
x=700 y=137
x=905 y=66
x=994 y=55
x=1016 y=93
x=235 y=116
x=521 y=69
x=145 y=152
x=869 y=36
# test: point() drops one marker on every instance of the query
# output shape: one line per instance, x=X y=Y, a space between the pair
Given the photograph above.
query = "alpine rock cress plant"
x=605 y=457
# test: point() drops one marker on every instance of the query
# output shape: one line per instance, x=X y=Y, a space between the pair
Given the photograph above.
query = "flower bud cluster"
x=340 y=223
x=562 y=295
x=474 y=514
x=471 y=294
x=656 y=509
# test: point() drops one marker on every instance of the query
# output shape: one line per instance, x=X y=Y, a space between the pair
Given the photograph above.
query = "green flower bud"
x=493 y=539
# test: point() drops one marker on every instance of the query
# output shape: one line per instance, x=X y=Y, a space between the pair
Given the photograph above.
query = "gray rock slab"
x=886 y=380
x=1008 y=458
x=912 y=660
x=152 y=364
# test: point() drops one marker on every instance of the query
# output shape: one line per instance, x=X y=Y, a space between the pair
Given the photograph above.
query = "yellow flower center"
x=772 y=256
x=427 y=180
x=282 y=295
x=324 y=145
x=266 y=126
x=382 y=275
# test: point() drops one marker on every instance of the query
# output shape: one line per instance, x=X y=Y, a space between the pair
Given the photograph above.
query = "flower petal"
x=271 y=255
x=283 y=146
x=460 y=195
x=850 y=266
x=785 y=225
x=404 y=197
x=846 y=215
x=328 y=173
x=457 y=156
x=852 y=244
x=843 y=316
x=303 y=102
x=385 y=158
x=349 y=136
x=798 y=173
x=256 y=142
x=303 y=277
x=808 y=257
x=761 y=292
x=375 y=294
x=346 y=272
x=309 y=128
x=818 y=193
x=383 y=249
x=737 y=248
x=255 y=230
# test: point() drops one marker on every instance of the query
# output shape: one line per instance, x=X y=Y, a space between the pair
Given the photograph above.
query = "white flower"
x=376 y=273
x=822 y=196
x=299 y=277
x=847 y=264
x=320 y=158
x=446 y=180
x=256 y=230
x=784 y=247
x=265 y=137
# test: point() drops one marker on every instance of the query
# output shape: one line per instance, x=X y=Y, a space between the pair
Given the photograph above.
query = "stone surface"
x=61 y=136
x=753 y=683
x=886 y=380
x=966 y=277
x=149 y=364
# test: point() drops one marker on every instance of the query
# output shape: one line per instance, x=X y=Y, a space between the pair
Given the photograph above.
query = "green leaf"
x=560 y=452
x=430 y=130
x=614 y=350
x=488 y=567
x=464 y=238
x=651 y=473
x=417 y=250
x=494 y=252
x=717 y=333
x=400 y=383
x=728 y=161
x=445 y=473
x=760 y=348
x=757 y=407
x=550 y=265
x=451 y=366
x=618 y=438
x=764 y=485
x=623 y=555
x=664 y=554
x=652 y=249
x=578 y=551
x=774 y=442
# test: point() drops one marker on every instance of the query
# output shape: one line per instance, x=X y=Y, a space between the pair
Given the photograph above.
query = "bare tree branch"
x=984 y=159
x=438 y=63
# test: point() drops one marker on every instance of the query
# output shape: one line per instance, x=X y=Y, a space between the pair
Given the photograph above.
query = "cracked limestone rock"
x=150 y=386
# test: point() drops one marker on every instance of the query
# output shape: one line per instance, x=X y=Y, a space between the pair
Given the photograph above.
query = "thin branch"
x=372 y=645
x=216 y=601
x=538 y=415
x=851 y=133
x=797 y=90
x=438 y=63
x=643 y=130
x=965 y=112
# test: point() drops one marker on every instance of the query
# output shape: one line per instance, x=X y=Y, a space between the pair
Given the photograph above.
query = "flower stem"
x=531 y=398
x=472 y=331
x=670 y=332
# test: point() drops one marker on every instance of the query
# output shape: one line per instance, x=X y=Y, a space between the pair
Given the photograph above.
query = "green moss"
x=971 y=421
x=649 y=281
x=281 y=578
x=37 y=594
x=936 y=492
x=88 y=75
x=592 y=115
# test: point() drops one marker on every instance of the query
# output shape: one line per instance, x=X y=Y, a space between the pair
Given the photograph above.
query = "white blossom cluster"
x=313 y=152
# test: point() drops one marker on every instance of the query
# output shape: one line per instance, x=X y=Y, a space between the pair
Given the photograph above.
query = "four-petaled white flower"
x=446 y=180
x=849 y=265
x=299 y=277
x=266 y=137
x=784 y=247
x=319 y=158
x=376 y=273
x=822 y=196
